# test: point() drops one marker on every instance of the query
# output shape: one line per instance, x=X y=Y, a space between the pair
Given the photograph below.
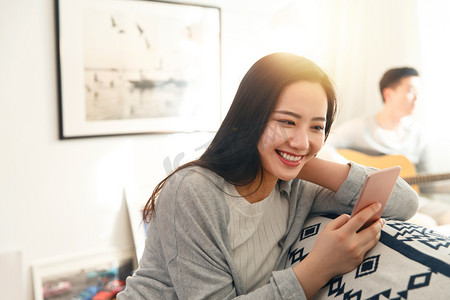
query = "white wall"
x=65 y=197
x=61 y=198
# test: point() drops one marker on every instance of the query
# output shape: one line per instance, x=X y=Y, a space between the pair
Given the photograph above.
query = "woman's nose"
x=300 y=140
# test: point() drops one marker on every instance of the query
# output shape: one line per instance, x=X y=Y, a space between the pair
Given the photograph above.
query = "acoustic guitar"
x=408 y=172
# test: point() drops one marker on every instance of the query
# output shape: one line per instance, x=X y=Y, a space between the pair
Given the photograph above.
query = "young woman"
x=221 y=226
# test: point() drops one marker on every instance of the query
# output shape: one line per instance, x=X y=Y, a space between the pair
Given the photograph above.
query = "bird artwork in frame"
x=135 y=66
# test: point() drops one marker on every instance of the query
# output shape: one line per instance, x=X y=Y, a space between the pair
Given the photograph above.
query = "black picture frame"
x=137 y=66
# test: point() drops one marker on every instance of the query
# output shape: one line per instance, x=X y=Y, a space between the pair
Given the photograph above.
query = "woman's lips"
x=289 y=158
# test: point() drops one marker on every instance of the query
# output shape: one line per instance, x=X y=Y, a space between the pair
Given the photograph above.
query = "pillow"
x=409 y=262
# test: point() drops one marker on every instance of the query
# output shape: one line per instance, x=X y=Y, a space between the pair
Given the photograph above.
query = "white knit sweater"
x=254 y=231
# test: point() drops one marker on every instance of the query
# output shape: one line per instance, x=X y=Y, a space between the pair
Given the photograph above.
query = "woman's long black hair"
x=233 y=152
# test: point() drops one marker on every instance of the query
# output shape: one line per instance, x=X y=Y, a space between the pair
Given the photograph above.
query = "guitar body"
x=382 y=162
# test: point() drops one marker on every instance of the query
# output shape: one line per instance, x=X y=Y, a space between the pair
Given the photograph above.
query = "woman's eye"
x=318 y=128
x=286 y=122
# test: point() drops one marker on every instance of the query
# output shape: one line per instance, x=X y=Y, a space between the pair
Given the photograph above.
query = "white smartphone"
x=377 y=187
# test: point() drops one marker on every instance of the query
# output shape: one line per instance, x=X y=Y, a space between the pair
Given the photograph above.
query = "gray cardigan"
x=187 y=252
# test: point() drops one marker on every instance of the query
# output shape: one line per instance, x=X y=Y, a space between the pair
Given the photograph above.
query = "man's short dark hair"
x=391 y=78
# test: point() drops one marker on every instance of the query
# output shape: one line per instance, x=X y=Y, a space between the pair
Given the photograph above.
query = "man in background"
x=391 y=131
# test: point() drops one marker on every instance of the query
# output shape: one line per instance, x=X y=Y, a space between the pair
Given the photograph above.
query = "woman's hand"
x=338 y=249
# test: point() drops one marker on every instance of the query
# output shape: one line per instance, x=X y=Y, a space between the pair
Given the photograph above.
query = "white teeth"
x=290 y=157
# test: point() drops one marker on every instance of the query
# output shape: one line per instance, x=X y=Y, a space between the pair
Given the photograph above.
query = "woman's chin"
x=291 y=175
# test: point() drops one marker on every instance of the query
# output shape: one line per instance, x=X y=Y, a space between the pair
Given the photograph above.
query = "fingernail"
x=383 y=221
x=378 y=205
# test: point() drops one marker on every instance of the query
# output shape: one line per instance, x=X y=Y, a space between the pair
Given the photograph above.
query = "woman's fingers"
x=340 y=247
x=338 y=222
x=370 y=235
x=358 y=220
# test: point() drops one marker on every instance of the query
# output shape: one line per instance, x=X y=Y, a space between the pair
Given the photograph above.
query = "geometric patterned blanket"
x=409 y=262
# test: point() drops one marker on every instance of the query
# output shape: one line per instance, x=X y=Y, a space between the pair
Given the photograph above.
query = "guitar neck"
x=408 y=173
x=424 y=178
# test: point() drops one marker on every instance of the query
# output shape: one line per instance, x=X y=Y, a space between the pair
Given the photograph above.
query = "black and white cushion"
x=409 y=262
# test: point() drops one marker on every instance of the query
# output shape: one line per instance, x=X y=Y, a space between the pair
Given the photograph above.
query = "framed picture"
x=137 y=66
x=83 y=277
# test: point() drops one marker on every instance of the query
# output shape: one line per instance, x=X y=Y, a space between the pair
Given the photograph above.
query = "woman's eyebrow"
x=290 y=113
x=295 y=115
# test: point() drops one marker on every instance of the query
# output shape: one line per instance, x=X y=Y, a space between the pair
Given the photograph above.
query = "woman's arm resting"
x=330 y=175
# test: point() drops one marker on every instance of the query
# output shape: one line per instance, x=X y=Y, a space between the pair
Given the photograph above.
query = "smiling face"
x=295 y=131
